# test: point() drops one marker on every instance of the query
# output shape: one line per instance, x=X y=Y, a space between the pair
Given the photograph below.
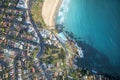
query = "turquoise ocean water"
x=97 y=24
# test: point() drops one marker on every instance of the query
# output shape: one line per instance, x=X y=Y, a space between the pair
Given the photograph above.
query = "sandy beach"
x=49 y=11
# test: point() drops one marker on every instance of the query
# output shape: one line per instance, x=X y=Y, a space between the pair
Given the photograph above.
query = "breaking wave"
x=63 y=10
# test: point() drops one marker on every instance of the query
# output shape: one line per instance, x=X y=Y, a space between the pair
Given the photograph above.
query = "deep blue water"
x=97 y=24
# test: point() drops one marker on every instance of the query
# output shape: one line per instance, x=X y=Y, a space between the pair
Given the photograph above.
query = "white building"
x=22 y=4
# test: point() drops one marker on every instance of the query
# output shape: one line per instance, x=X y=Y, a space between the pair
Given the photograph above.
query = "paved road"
x=42 y=45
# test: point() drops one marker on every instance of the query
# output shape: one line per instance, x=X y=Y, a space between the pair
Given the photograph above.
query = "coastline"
x=49 y=11
x=52 y=16
x=78 y=44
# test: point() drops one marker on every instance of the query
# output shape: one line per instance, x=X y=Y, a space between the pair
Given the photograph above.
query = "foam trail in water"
x=63 y=11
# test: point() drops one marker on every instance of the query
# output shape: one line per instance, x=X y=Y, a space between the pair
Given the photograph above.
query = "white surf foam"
x=64 y=8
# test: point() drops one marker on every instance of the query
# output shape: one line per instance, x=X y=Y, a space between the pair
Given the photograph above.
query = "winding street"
x=42 y=45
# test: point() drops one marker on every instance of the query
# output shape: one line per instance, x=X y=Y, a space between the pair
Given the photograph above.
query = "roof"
x=22 y=4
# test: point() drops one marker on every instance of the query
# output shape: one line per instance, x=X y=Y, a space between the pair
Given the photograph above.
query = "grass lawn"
x=36 y=11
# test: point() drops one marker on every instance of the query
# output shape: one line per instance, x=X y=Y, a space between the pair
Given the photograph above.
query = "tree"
x=62 y=54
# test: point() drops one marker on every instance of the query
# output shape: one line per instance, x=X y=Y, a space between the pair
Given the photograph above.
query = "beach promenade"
x=49 y=11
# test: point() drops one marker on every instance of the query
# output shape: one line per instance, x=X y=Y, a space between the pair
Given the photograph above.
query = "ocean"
x=96 y=25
